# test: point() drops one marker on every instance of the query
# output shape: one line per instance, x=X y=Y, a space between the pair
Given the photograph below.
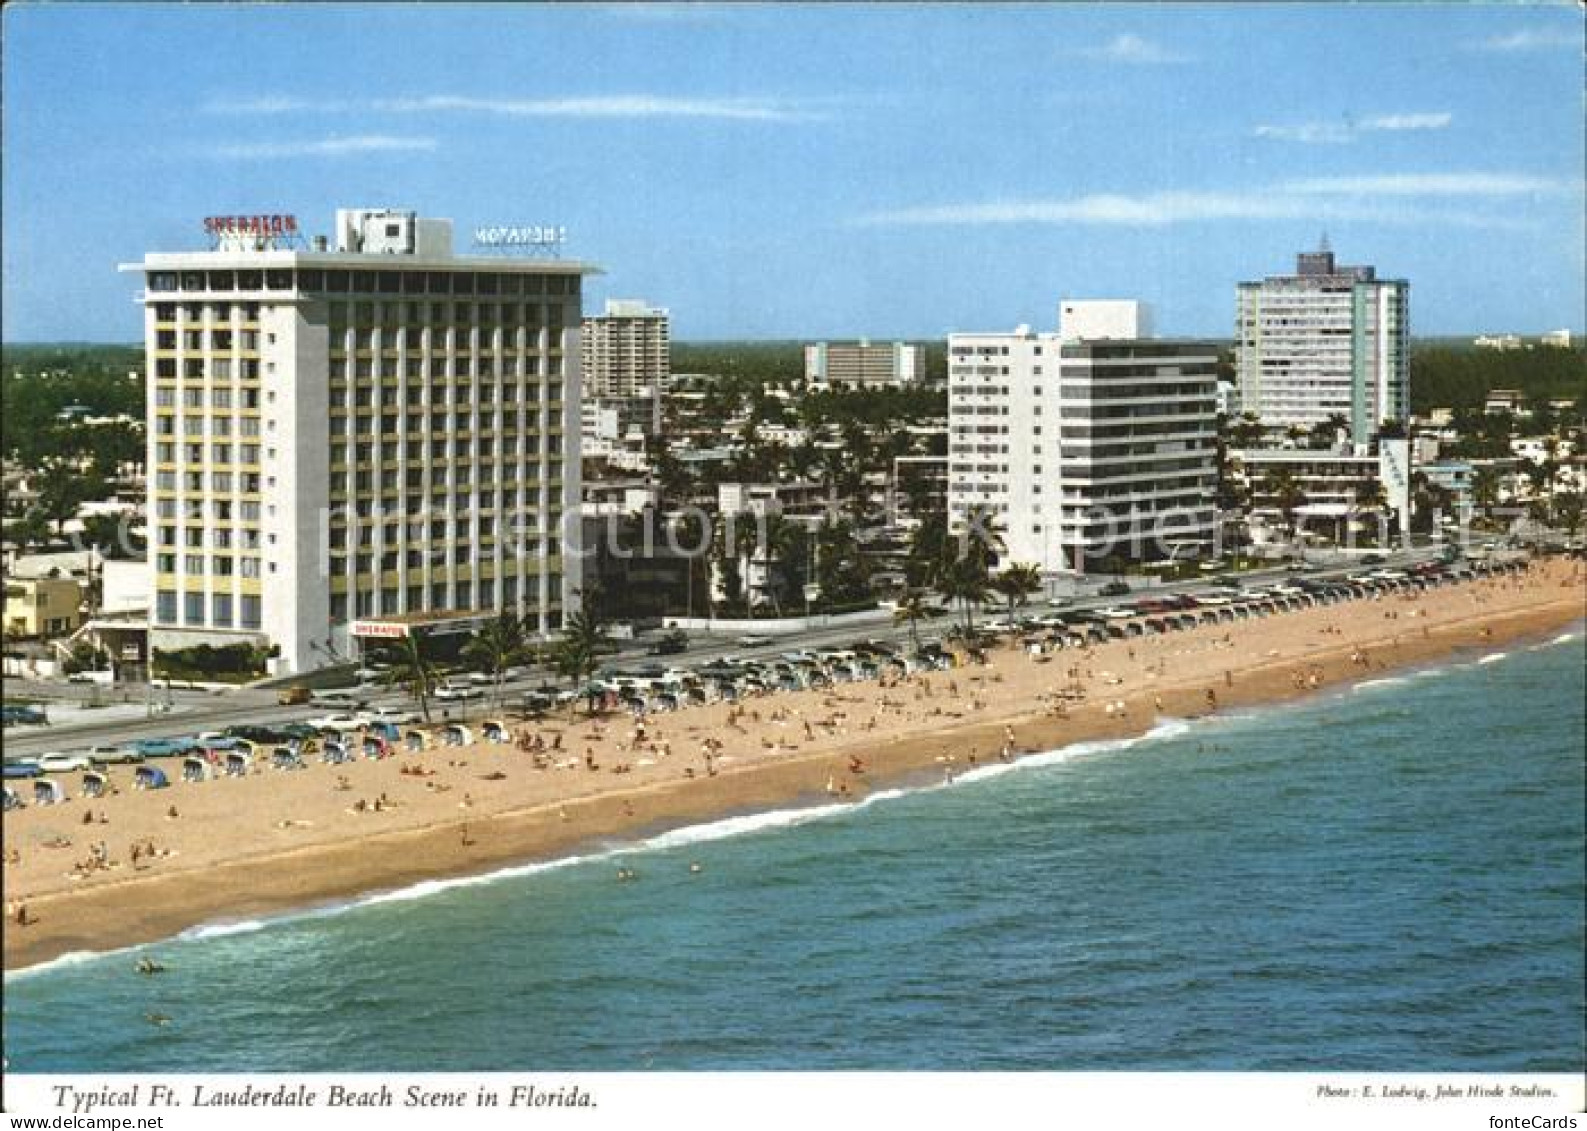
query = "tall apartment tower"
x=1328 y=340
x=347 y=443
x=861 y=365
x=627 y=350
x=1098 y=440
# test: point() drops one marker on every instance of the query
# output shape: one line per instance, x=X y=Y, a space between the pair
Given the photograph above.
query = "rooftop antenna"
x=1322 y=244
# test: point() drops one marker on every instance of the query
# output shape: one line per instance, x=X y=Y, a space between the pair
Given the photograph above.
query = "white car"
x=753 y=641
x=455 y=692
x=58 y=763
x=395 y=717
x=104 y=755
x=340 y=723
x=481 y=679
x=1117 y=613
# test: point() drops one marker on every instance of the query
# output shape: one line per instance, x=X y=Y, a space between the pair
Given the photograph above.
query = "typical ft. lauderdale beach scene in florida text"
x=661 y=564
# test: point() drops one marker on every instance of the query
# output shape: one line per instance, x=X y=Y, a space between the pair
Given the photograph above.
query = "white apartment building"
x=861 y=365
x=1094 y=441
x=344 y=442
x=627 y=350
x=1328 y=340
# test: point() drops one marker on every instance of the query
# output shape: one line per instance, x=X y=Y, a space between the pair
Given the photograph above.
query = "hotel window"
x=165 y=563
x=193 y=563
x=165 y=606
x=194 y=536
x=250 y=612
x=250 y=512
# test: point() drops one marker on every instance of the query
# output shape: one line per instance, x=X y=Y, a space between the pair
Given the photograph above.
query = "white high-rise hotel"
x=627 y=351
x=1093 y=441
x=351 y=441
x=1329 y=340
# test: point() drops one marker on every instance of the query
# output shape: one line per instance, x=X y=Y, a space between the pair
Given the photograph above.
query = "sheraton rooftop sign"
x=532 y=235
x=270 y=224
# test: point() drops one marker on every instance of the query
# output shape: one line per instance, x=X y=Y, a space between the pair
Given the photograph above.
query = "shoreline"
x=350 y=865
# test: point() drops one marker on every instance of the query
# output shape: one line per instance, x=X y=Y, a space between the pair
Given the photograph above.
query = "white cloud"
x=325 y=147
x=274 y=104
x=1346 y=131
x=1308 y=133
x=1530 y=39
x=603 y=106
x=595 y=106
x=1133 y=49
x=1431 y=184
x=1437 y=121
x=1388 y=199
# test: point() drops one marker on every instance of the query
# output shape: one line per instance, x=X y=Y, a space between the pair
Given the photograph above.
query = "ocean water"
x=1389 y=877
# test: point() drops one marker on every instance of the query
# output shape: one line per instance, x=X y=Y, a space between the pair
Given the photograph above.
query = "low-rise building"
x=42 y=608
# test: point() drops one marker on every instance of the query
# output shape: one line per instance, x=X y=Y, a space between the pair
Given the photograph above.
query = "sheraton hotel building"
x=356 y=436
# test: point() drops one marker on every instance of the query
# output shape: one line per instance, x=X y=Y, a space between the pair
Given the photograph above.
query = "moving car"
x=454 y=691
x=293 y=696
x=671 y=644
x=22 y=768
x=753 y=640
x=1114 y=589
x=30 y=716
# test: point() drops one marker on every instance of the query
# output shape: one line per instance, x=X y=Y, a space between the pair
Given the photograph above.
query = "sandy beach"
x=269 y=841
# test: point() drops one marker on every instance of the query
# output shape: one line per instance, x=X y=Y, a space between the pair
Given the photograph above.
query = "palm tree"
x=1017 y=584
x=964 y=581
x=1485 y=488
x=1370 y=496
x=501 y=643
x=411 y=668
x=911 y=610
x=578 y=654
x=1287 y=495
x=982 y=540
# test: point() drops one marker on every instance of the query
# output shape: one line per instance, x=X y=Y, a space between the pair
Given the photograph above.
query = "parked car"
x=30 y=716
x=293 y=696
x=368 y=675
x=1373 y=559
x=340 y=722
x=22 y=768
x=162 y=747
x=395 y=716
x=1113 y=589
x=57 y=763
x=105 y=755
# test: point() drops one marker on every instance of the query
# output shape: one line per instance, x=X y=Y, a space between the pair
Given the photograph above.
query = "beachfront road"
x=194 y=712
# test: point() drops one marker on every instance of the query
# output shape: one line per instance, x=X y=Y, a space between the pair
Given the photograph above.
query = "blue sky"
x=806 y=171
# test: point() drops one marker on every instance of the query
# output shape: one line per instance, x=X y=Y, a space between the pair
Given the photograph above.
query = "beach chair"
x=95 y=784
x=48 y=792
x=149 y=777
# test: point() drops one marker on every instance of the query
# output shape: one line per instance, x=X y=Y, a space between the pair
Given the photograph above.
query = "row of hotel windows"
x=461 y=367
x=365 y=282
x=368 y=603
x=221 y=610
x=196 y=564
x=224 y=612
